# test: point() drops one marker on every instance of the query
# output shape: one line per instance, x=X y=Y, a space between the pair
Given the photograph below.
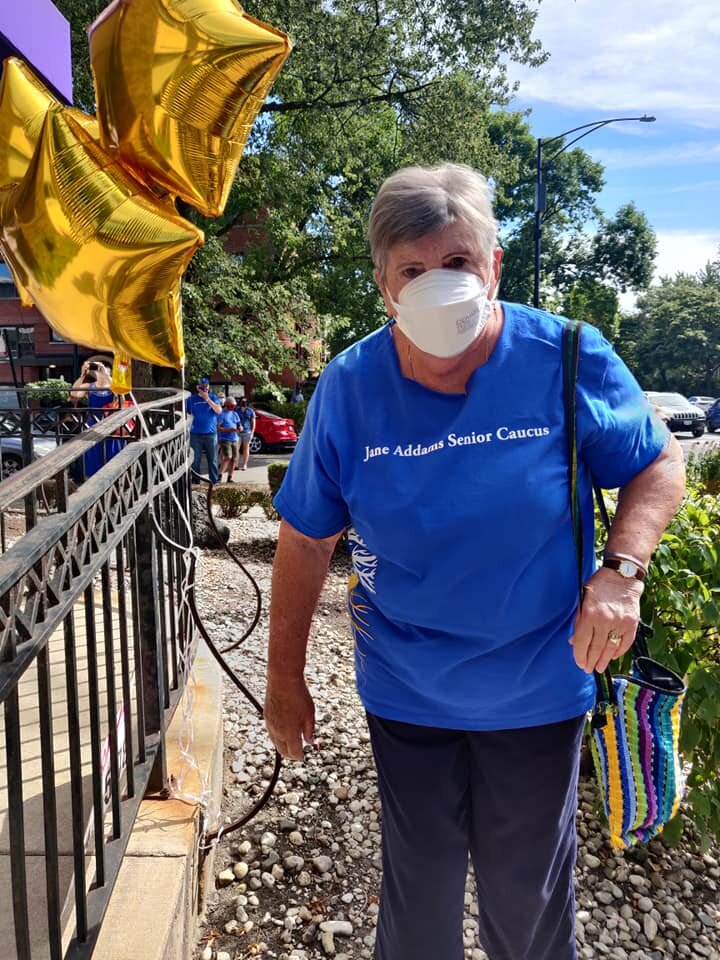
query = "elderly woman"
x=473 y=664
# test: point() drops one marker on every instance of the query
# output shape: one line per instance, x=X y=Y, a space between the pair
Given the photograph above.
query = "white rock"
x=650 y=927
x=322 y=864
x=340 y=928
x=224 y=878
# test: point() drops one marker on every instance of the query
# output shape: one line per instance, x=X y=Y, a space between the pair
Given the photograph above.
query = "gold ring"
x=615 y=638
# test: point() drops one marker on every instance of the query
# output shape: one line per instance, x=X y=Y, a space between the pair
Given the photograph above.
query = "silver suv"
x=678 y=413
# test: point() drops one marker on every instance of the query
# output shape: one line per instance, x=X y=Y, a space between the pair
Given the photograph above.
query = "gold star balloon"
x=86 y=224
x=24 y=101
x=179 y=84
x=98 y=253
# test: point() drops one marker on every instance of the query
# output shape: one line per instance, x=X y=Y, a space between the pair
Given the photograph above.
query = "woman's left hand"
x=605 y=626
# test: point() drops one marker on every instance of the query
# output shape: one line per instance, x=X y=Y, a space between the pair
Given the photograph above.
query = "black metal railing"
x=94 y=638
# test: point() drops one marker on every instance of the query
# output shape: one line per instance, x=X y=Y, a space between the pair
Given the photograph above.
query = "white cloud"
x=685 y=251
x=675 y=155
x=679 y=251
x=636 y=56
x=704 y=185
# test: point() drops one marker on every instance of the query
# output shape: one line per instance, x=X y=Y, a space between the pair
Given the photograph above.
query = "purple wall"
x=36 y=31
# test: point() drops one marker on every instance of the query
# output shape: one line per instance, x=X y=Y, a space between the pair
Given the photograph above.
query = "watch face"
x=627 y=568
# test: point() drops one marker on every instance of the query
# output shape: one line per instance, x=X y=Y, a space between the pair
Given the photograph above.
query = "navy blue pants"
x=506 y=798
x=205 y=443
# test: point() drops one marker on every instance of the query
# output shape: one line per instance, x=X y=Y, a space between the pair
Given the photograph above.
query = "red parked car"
x=272 y=431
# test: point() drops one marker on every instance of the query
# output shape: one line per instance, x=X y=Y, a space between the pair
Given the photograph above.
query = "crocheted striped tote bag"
x=635 y=726
x=635 y=730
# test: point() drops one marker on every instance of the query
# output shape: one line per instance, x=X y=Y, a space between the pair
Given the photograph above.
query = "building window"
x=56 y=338
x=19 y=340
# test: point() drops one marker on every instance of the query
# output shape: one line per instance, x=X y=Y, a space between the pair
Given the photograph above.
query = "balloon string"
x=212 y=829
x=189 y=554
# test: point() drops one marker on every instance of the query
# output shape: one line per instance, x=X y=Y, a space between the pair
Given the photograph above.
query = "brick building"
x=29 y=349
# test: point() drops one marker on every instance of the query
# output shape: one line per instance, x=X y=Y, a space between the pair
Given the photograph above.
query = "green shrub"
x=276 y=474
x=237 y=500
x=293 y=411
x=49 y=391
x=703 y=468
x=266 y=398
x=682 y=600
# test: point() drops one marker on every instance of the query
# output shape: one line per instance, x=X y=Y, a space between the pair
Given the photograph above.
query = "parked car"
x=272 y=431
x=11 y=455
x=678 y=413
x=703 y=402
x=713 y=417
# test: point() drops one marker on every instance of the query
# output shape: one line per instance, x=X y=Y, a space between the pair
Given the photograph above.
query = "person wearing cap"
x=247 y=428
x=204 y=408
x=229 y=437
x=473 y=659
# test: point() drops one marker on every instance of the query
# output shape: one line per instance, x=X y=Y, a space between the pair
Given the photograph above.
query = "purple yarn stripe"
x=645 y=741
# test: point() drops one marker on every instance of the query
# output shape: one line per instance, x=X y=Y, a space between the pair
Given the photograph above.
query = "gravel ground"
x=301 y=881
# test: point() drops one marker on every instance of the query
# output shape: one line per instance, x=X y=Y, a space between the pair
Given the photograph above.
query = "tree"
x=673 y=341
x=619 y=257
x=369 y=88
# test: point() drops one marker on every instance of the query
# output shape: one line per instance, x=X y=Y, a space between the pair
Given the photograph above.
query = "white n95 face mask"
x=443 y=311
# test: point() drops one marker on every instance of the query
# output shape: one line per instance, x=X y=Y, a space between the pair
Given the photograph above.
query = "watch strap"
x=616 y=562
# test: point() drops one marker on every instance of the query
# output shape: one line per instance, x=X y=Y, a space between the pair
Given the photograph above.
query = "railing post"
x=148 y=610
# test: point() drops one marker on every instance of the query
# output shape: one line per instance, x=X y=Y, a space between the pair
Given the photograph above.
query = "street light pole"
x=539 y=211
x=541 y=193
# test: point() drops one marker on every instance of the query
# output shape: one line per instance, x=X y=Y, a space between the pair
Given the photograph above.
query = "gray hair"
x=416 y=201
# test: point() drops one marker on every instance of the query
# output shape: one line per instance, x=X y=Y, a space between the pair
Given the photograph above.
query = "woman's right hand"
x=290 y=717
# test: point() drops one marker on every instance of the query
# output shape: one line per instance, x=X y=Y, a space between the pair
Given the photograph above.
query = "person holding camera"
x=93 y=385
x=204 y=408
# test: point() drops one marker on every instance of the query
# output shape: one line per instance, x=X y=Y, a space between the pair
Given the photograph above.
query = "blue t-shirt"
x=247 y=418
x=465 y=585
x=229 y=418
x=204 y=417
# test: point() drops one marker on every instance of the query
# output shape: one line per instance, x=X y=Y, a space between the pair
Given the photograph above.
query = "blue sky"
x=613 y=58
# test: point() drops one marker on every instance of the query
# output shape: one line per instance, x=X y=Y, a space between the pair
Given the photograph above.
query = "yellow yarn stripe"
x=615 y=794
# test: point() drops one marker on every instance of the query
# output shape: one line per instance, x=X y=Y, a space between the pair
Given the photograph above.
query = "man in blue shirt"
x=204 y=407
x=228 y=435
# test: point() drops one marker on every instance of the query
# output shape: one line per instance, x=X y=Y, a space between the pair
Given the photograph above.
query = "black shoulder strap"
x=570 y=359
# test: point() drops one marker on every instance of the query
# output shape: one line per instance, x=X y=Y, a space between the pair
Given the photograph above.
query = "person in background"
x=93 y=385
x=247 y=427
x=297 y=395
x=204 y=408
x=229 y=438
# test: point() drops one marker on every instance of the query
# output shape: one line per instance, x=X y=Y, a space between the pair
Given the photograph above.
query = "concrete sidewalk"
x=154 y=905
x=256 y=473
x=159 y=892
x=33 y=810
